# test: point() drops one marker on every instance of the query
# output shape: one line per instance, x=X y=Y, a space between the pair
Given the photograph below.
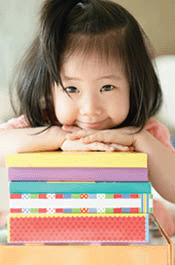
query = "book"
x=79 y=187
x=80 y=203
x=76 y=228
x=77 y=159
x=158 y=251
x=78 y=174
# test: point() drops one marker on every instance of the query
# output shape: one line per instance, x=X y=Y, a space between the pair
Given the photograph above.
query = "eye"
x=71 y=89
x=107 y=88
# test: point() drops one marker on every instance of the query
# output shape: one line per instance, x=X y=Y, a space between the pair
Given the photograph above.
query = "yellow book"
x=77 y=159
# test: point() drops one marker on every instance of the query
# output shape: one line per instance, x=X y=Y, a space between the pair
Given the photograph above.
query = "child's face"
x=99 y=93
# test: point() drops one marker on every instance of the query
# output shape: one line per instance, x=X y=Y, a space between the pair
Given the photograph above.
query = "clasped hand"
x=78 y=139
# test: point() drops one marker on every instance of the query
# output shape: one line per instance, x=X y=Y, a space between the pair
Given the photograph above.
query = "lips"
x=91 y=124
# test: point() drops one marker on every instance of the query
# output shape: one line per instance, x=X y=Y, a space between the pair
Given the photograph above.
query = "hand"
x=123 y=137
x=77 y=145
x=70 y=128
x=3 y=217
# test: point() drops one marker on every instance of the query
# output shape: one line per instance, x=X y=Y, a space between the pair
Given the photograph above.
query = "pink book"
x=76 y=228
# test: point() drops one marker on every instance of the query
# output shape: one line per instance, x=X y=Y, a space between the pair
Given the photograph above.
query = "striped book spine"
x=80 y=203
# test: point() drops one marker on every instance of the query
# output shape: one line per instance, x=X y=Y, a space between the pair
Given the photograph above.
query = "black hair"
x=100 y=25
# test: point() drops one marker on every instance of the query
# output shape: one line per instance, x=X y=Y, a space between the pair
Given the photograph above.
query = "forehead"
x=92 y=67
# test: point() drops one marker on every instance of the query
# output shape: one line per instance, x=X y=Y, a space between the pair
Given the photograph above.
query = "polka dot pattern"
x=76 y=228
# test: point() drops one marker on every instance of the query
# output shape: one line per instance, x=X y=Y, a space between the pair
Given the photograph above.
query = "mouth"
x=94 y=125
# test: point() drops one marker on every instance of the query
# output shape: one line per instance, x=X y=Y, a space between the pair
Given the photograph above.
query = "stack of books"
x=81 y=197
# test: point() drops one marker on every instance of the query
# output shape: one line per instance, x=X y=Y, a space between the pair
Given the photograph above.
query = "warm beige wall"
x=157 y=17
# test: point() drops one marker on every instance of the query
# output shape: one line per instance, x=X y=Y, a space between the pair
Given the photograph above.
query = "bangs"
x=105 y=45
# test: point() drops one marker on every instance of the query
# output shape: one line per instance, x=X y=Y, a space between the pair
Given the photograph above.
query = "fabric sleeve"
x=160 y=132
x=16 y=123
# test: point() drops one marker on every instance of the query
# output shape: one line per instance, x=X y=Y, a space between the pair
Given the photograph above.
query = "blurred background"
x=158 y=21
x=18 y=25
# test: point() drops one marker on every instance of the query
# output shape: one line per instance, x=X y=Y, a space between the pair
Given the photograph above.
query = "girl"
x=87 y=83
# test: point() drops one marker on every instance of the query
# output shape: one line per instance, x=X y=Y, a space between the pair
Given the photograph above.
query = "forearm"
x=26 y=140
x=161 y=165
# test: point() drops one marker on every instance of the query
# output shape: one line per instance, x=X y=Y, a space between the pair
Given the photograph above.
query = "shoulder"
x=16 y=123
x=160 y=132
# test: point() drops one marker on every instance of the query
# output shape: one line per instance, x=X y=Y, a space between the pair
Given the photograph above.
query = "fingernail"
x=84 y=140
x=111 y=148
x=119 y=147
x=123 y=147
x=68 y=136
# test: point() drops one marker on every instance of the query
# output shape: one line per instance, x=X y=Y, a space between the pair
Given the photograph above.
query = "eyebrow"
x=68 y=78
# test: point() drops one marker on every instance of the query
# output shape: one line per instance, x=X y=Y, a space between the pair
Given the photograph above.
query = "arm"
x=161 y=164
x=25 y=140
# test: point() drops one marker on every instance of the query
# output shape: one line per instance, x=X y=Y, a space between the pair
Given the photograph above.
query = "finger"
x=76 y=145
x=109 y=137
x=97 y=146
x=3 y=218
x=78 y=134
x=70 y=128
x=100 y=137
x=131 y=149
x=113 y=147
x=119 y=147
x=123 y=148
x=96 y=137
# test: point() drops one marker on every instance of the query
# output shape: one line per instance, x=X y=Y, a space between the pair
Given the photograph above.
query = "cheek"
x=119 y=109
x=65 y=110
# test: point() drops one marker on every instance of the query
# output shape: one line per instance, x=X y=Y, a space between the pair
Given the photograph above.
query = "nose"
x=90 y=105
